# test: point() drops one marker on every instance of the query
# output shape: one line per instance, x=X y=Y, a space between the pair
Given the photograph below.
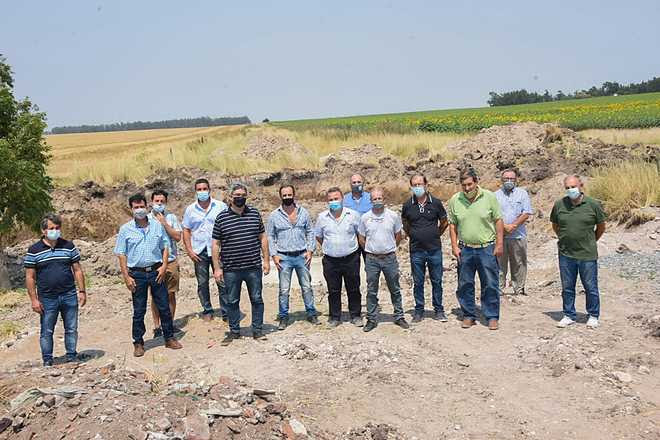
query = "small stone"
x=644 y=369
x=196 y=427
x=5 y=423
x=223 y=412
x=233 y=426
x=9 y=344
x=463 y=364
x=49 y=400
x=162 y=424
x=622 y=377
x=579 y=365
x=297 y=427
x=262 y=392
x=275 y=408
x=19 y=422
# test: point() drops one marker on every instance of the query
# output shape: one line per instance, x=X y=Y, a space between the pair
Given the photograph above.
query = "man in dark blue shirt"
x=52 y=269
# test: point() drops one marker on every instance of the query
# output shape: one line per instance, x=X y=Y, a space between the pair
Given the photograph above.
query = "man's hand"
x=499 y=250
x=308 y=258
x=510 y=228
x=37 y=307
x=160 y=217
x=218 y=275
x=266 y=267
x=277 y=260
x=82 y=299
x=456 y=251
x=130 y=283
x=160 y=278
x=193 y=256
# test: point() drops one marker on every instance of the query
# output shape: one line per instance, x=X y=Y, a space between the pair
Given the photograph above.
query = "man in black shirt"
x=424 y=220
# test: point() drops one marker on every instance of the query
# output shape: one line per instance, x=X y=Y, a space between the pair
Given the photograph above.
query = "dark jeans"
x=203 y=275
x=232 y=292
x=67 y=306
x=390 y=268
x=347 y=269
x=289 y=264
x=419 y=260
x=569 y=268
x=143 y=282
x=483 y=262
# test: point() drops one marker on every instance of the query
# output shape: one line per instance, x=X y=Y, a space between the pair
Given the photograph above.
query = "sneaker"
x=592 y=322
x=440 y=316
x=158 y=332
x=401 y=322
x=283 y=322
x=467 y=323
x=333 y=323
x=229 y=338
x=258 y=336
x=370 y=326
x=313 y=320
x=48 y=363
x=417 y=317
x=565 y=322
x=357 y=321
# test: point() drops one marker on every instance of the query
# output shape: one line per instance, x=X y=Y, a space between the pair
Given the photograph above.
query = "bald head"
x=377 y=193
x=357 y=184
x=572 y=181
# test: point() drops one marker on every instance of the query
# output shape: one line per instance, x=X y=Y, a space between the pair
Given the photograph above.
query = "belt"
x=292 y=253
x=475 y=246
x=359 y=250
x=146 y=269
x=380 y=255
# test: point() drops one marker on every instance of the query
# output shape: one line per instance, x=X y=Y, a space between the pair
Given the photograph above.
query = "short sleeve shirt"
x=239 y=237
x=424 y=222
x=513 y=205
x=379 y=231
x=475 y=221
x=53 y=266
x=577 y=235
x=362 y=205
x=171 y=220
x=200 y=222
x=143 y=247
x=339 y=234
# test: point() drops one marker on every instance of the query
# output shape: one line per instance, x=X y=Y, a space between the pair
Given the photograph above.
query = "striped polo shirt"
x=53 y=266
x=240 y=245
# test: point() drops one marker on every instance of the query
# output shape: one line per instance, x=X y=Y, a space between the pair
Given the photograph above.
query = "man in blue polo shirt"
x=358 y=199
x=52 y=269
x=143 y=248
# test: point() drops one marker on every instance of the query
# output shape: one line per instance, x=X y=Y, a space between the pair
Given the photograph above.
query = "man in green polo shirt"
x=477 y=233
x=579 y=221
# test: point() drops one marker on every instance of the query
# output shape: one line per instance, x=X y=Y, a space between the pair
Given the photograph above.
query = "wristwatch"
x=82 y=291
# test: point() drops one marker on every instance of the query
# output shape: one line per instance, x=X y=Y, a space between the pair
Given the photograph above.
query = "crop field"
x=611 y=112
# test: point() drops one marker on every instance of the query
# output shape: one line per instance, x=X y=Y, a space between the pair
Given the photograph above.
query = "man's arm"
x=398 y=237
x=600 y=230
x=215 y=257
x=160 y=277
x=499 y=238
x=453 y=235
x=31 y=286
x=362 y=240
x=271 y=233
x=265 y=253
x=171 y=232
x=80 y=281
x=443 y=225
x=522 y=218
x=187 y=243
x=555 y=227
x=128 y=280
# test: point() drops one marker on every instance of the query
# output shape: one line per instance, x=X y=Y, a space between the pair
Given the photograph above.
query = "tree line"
x=203 y=121
x=608 y=88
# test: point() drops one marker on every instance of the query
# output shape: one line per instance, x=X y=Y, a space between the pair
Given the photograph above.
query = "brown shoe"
x=138 y=350
x=467 y=323
x=493 y=324
x=173 y=344
x=207 y=317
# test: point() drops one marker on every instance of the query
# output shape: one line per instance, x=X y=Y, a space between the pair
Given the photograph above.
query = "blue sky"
x=109 y=61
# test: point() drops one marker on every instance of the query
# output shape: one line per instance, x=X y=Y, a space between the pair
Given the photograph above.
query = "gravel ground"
x=634 y=266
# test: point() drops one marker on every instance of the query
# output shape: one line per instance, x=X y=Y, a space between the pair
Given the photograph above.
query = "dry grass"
x=626 y=136
x=10 y=299
x=9 y=329
x=626 y=187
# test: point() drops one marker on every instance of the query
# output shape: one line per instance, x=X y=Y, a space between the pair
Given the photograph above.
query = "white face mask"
x=158 y=208
x=573 y=193
x=140 y=213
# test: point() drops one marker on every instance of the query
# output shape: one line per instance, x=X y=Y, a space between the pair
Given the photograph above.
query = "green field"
x=627 y=111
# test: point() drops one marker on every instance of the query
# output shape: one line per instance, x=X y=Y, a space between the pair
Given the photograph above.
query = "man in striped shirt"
x=240 y=254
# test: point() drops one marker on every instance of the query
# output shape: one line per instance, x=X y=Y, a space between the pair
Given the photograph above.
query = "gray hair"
x=237 y=185
x=510 y=170
x=467 y=173
x=53 y=218
x=572 y=176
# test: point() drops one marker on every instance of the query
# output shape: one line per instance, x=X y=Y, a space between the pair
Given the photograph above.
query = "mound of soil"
x=267 y=146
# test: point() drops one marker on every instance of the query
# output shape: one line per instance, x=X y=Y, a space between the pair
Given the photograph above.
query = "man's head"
x=573 y=186
x=138 y=204
x=159 y=200
x=287 y=194
x=509 y=179
x=238 y=193
x=357 y=183
x=469 y=181
x=50 y=226
x=418 y=184
x=378 y=198
x=334 y=197
x=202 y=190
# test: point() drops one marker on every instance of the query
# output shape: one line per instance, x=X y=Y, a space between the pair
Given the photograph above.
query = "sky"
x=90 y=62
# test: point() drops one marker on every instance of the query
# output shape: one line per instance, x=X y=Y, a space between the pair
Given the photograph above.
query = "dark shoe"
x=313 y=320
x=173 y=344
x=440 y=316
x=138 y=350
x=158 y=332
x=370 y=326
x=401 y=322
x=229 y=338
x=48 y=363
x=357 y=321
x=333 y=323
x=283 y=323
x=493 y=324
x=467 y=323
x=207 y=317
x=417 y=317
x=258 y=336
x=225 y=319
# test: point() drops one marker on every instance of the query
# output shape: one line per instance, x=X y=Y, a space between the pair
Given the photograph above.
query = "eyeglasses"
x=508 y=179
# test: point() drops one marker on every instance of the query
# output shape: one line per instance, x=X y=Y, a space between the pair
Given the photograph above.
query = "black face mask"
x=287 y=202
x=239 y=202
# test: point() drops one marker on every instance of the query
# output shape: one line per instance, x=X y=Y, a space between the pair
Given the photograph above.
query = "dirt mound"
x=267 y=146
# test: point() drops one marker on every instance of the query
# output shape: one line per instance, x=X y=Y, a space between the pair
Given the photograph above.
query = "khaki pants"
x=172 y=277
x=515 y=258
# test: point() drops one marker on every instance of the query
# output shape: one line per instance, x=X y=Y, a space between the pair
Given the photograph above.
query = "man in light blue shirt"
x=336 y=231
x=198 y=221
x=358 y=199
x=291 y=244
x=516 y=209
x=143 y=248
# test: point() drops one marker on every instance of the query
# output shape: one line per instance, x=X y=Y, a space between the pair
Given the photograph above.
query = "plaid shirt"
x=143 y=247
x=283 y=236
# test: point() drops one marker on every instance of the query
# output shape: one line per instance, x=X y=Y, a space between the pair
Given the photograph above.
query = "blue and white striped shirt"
x=53 y=266
x=143 y=247
x=283 y=236
x=339 y=234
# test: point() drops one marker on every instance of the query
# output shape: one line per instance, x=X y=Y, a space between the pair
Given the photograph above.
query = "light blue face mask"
x=418 y=191
x=379 y=205
x=508 y=185
x=573 y=193
x=335 y=205
x=158 y=208
x=53 y=234
x=203 y=196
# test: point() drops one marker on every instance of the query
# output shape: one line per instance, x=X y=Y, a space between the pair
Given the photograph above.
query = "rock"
x=163 y=424
x=262 y=392
x=9 y=344
x=5 y=423
x=622 y=248
x=463 y=364
x=287 y=430
x=297 y=427
x=135 y=433
x=622 y=377
x=157 y=436
x=49 y=400
x=196 y=427
x=644 y=369
x=223 y=412
x=19 y=422
x=233 y=426
x=275 y=408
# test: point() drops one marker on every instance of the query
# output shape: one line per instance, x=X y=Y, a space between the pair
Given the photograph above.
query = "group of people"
x=232 y=245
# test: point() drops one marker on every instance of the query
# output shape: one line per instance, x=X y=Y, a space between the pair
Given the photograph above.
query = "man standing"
x=358 y=199
x=291 y=244
x=52 y=269
x=579 y=222
x=198 y=221
x=336 y=231
x=379 y=235
x=240 y=254
x=143 y=249
x=516 y=209
x=477 y=230
x=425 y=220
x=171 y=224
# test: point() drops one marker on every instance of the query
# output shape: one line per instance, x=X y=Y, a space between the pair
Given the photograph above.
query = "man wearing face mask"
x=579 y=222
x=291 y=244
x=358 y=199
x=171 y=224
x=336 y=231
x=425 y=220
x=240 y=254
x=516 y=209
x=477 y=233
x=52 y=269
x=198 y=221
x=143 y=248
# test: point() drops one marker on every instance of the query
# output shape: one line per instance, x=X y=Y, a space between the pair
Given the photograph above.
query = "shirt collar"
x=413 y=199
x=211 y=205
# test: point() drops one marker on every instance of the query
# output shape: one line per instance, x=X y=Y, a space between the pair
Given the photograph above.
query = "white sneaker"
x=592 y=322
x=565 y=322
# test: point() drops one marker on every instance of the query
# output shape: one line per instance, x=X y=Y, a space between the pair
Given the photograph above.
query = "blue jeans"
x=419 y=260
x=390 y=268
x=233 y=280
x=143 y=282
x=203 y=275
x=483 y=262
x=289 y=264
x=67 y=306
x=588 y=270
